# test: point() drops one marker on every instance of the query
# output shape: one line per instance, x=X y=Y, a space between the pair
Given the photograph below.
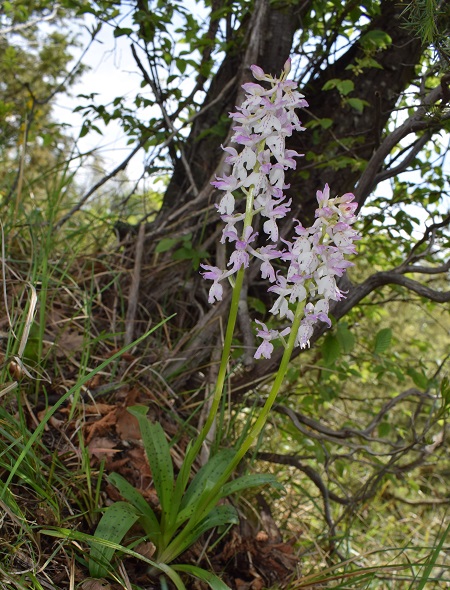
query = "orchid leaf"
x=253 y=480
x=211 y=579
x=147 y=516
x=202 y=483
x=212 y=470
x=113 y=526
x=158 y=454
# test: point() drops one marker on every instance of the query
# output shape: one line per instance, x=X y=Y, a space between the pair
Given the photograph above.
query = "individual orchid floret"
x=226 y=205
x=265 y=349
x=230 y=227
x=240 y=257
x=267 y=254
x=281 y=306
x=213 y=273
x=312 y=315
x=259 y=74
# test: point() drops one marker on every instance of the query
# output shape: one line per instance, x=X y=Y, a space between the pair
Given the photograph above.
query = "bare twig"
x=428 y=236
x=100 y=183
x=134 y=289
x=167 y=119
x=17 y=28
x=407 y=160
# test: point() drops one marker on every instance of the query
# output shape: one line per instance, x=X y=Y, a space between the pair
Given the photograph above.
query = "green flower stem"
x=232 y=318
x=231 y=324
x=263 y=415
x=181 y=541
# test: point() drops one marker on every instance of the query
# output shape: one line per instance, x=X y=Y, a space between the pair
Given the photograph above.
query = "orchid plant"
x=302 y=273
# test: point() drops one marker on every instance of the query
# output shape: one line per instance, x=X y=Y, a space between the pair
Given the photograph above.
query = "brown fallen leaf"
x=95 y=585
x=101 y=447
x=146 y=549
x=98 y=409
x=102 y=426
x=127 y=426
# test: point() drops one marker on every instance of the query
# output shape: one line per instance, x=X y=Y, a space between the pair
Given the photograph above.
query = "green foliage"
x=431 y=20
x=115 y=523
x=375 y=40
x=186 y=250
x=34 y=69
x=185 y=513
x=343 y=86
x=383 y=340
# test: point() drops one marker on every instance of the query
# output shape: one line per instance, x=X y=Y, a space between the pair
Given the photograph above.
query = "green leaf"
x=212 y=470
x=330 y=84
x=420 y=379
x=203 y=482
x=345 y=338
x=220 y=515
x=84 y=130
x=330 y=349
x=181 y=65
x=158 y=454
x=182 y=481
x=257 y=305
x=345 y=86
x=113 y=526
x=249 y=481
x=211 y=579
x=382 y=341
x=445 y=391
x=375 y=39
x=147 y=516
x=165 y=244
x=357 y=104
x=120 y=31
x=384 y=428
x=325 y=123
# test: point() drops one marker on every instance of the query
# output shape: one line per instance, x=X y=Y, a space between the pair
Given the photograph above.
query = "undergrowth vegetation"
x=67 y=381
x=123 y=463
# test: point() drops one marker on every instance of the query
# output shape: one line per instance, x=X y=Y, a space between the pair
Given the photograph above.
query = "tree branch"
x=31 y=23
x=100 y=183
x=408 y=159
x=413 y=123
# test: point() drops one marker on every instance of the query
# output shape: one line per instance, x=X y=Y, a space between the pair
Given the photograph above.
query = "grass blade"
x=50 y=412
x=432 y=560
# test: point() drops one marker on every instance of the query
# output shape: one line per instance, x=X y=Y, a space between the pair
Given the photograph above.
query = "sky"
x=112 y=72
